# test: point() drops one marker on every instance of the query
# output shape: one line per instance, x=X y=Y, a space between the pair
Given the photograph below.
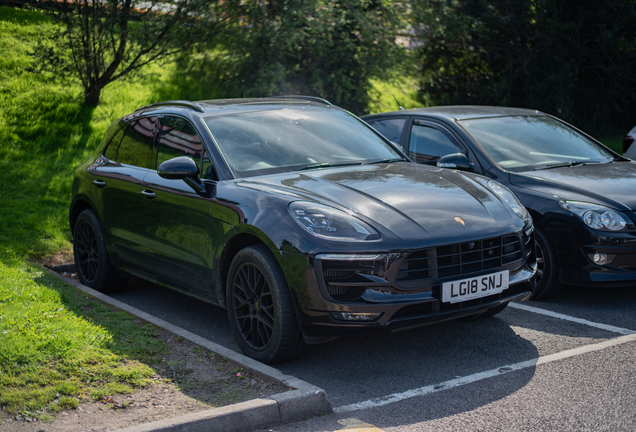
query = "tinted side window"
x=113 y=146
x=428 y=144
x=178 y=138
x=136 y=146
x=390 y=128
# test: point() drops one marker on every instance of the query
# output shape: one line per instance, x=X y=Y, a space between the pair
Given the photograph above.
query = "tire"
x=548 y=284
x=260 y=307
x=92 y=263
x=490 y=312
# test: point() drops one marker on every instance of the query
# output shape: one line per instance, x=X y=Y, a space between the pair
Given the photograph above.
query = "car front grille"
x=461 y=258
x=423 y=268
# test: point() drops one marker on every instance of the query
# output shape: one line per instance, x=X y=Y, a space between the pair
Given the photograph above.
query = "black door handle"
x=149 y=194
x=99 y=183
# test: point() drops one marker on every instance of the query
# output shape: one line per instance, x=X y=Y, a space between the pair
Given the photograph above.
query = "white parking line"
x=422 y=391
x=572 y=319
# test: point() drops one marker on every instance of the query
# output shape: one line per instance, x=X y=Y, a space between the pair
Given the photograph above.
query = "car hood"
x=409 y=200
x=612 y=184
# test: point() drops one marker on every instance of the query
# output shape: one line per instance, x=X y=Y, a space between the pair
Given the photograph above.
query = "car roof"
x=227 y=106
x=462 y=112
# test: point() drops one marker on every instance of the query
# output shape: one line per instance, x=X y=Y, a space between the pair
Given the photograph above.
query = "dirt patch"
x=188 y=378
x=57 y=259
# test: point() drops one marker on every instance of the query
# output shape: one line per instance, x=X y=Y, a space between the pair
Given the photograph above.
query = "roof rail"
x=308 y=98
x=192 y=105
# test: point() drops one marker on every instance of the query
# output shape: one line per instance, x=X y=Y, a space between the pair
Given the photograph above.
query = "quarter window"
x=207 y=168
x=113 y=146
x=136 y=146
x=428 y=144
x=178 y=138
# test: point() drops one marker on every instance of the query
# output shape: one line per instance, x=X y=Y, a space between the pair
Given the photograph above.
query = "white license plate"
x=472 y=288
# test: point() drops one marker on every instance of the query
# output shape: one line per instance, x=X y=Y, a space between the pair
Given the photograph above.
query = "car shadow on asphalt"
x=355 y=369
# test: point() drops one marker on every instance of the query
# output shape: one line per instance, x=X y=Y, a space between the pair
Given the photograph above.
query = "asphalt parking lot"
x=563 y=364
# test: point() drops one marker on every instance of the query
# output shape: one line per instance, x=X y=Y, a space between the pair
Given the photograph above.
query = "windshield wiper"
x=566 y=164
x=385 y=161
x=326 y=165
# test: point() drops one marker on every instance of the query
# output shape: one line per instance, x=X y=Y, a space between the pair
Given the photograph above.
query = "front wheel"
x=91 y=258
x=548 y=283
x=260 y=307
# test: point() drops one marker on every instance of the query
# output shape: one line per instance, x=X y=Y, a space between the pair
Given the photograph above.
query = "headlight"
x=597 y=216
x=509 y=198
x=330 y=223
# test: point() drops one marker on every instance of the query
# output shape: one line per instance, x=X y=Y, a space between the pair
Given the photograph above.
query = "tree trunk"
x=92 y=94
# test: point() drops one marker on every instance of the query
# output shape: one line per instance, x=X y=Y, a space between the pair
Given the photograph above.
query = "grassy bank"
x=58 y=346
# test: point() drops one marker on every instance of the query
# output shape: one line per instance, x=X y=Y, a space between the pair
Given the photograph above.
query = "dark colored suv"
x=298 y=218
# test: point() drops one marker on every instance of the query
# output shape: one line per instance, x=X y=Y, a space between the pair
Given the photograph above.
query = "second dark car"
x=298 y=218
x=581 y=195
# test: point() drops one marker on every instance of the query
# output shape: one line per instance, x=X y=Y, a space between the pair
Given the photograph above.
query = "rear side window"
x=136 y=146
x=113 y=146
x=178 y=138
x=391 y=129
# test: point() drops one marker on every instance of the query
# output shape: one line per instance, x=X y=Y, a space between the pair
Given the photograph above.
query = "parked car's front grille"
x=348 y=280
x=461 y=258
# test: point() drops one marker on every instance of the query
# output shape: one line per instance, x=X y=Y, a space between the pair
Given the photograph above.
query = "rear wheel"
x=91 y=258
x=260 y=307
x=548 y=283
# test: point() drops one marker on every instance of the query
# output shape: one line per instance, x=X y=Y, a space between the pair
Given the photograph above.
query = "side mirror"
x=181 y=168
x=455 y=160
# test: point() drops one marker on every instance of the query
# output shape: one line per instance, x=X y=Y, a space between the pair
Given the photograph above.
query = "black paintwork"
x=176 y=234
x=610 y=184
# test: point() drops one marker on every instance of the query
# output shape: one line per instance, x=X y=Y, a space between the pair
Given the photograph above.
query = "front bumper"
x=404 y=287
x=576 y=246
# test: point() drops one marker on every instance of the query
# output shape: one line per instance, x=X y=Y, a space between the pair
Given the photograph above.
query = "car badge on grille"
x=459 y=220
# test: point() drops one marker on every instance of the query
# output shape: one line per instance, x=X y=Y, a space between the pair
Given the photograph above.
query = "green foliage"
x=325 y=48
x=615 y=143
x=101 y=42
x=573 y=59
x=383 y=95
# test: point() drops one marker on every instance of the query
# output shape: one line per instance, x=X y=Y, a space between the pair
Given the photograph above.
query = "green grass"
x=60 y=346
x=45 y=132
x=57 y=346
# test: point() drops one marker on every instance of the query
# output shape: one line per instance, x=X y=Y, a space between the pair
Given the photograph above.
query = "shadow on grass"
x=196 y=372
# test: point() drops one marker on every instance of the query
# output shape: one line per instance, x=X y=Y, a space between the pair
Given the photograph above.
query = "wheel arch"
x=78 y=206
x=233 y=247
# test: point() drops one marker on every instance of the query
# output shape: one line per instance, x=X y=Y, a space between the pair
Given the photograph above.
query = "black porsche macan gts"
x=298 y=218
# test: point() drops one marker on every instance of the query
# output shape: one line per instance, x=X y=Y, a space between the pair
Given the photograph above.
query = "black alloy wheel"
x=87 y=253
x=253 y=306
x=260 y=307
x=91 y=258
x=547 y=278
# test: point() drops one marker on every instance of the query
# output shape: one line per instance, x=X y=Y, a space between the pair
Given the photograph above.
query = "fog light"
x=599 y=258
x=354 y=316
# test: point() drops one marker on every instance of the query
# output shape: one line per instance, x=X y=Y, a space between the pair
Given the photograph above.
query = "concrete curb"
x=304 y=401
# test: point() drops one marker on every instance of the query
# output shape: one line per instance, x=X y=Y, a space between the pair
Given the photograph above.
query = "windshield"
x=521 y=143
x=287 y=139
